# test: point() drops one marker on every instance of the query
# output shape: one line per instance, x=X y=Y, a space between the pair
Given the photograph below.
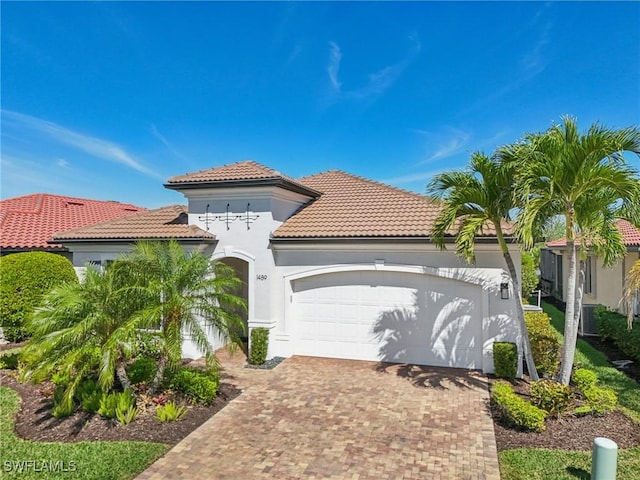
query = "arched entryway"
x=241 y=268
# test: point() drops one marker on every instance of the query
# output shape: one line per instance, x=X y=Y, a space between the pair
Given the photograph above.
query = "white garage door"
x=388 y=316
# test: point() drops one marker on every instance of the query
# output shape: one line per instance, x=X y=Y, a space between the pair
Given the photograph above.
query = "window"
x=589 y=276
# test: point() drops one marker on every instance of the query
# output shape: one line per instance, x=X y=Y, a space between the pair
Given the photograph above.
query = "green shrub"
x=170 y=412
x=550 y=396
x=25 y=278
x=516 y=410
x=91 y=403
x=112 y=402
x=60 y=378
x=199 y=386
x=63 y=409
x=259 y=345
x=9 y=359
x=584 y=379
x=126 y=415
x=600 y=400
x=505 y=359
x=529 y=276
x=142 y=369
x=85 y=389
x=613 y=327
x=545 y=345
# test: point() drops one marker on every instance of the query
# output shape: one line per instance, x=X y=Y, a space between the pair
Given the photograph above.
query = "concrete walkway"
x=339 y=419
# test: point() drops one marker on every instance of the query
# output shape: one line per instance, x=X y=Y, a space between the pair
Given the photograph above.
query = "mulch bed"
x=35 y=422
x=567 y=432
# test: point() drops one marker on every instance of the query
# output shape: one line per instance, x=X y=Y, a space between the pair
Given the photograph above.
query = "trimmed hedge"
x=613 y=327
x=25 y=278
x=584 y=379
x=505 y=359
x=551 y=396
x=545 y=345
x=200 y=386
x=259 y=345
x=598 y=401
x=516 y=410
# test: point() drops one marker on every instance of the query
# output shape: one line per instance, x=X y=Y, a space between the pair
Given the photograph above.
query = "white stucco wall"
x=272 y=266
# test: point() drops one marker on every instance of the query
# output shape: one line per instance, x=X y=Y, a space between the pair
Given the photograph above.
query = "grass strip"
x=81 y=460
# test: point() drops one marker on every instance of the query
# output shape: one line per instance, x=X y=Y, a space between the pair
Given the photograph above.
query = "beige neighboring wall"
x=609 y=282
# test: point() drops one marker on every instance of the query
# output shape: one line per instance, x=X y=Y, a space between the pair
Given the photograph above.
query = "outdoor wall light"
x=504 y=291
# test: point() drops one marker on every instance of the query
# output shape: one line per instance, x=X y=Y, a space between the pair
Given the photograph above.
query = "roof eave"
x=136 y=239
x=252 y=182
x=379 y=239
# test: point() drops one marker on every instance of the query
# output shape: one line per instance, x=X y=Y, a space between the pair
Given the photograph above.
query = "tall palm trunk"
x=572 y=316
x=526 y=345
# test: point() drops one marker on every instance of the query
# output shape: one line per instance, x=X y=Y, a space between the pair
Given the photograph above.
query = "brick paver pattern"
x=318 y=418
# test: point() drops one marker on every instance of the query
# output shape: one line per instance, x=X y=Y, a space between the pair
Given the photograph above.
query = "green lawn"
x=535 y=463
x=83 y=460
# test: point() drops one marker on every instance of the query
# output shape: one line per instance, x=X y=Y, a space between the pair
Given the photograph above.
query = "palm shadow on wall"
x=439 y=329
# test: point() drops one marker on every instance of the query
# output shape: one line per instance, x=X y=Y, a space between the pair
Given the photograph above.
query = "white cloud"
x=412 y=177
x=444 y=144
x=335 y=56
x=62 y=163
x=377 y=82
x=93 y=146
x=166 y=143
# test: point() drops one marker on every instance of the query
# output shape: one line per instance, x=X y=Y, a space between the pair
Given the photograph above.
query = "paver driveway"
x=340 y=419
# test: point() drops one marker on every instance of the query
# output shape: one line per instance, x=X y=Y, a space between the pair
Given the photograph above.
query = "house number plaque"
x=261 y=277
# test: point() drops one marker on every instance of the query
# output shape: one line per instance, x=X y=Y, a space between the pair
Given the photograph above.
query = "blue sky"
x=109 y=100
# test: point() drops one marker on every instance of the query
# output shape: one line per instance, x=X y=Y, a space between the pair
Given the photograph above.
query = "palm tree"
x=474 y=198
x=184 y=293
x=631 y=289
x=585 y=179
x=83 y=328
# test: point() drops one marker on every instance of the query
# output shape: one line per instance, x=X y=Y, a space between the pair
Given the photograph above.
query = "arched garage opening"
x=386 y=315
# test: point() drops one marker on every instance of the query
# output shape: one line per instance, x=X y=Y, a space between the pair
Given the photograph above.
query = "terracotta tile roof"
x=630 y=236
x=28 y=222
x=161 y=223
x=352 y=206
x=235 y=174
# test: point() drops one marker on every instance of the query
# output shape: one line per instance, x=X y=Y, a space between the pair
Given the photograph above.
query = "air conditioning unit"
x=588 y=324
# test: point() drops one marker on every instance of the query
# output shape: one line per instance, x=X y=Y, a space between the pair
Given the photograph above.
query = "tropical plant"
x=183 y=292
x=170 y=412
x=26 y=277
x=84 y=328
x=530 y=277
x=472 y=200
x=585 y=179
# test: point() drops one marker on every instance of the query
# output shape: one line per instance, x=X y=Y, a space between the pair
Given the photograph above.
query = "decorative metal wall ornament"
x=207 y=218
x=227 y=217
x=248 y=218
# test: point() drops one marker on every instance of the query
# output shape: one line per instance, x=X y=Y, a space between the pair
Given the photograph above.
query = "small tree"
x=585 y=179
x=473 y=199
x=530 y=278
x=184 y=293
x=84 y=328
x=24 y=279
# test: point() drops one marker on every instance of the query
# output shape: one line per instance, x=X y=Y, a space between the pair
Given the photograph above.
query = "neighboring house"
x=28 y=223
x=602 y=286
x=333 y=264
